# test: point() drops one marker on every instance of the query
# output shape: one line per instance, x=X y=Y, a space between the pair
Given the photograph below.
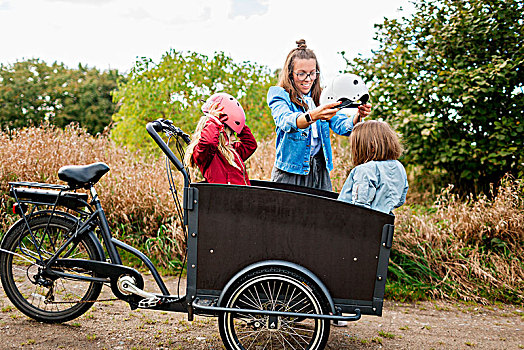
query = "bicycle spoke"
x=256 y=300
x=287 y=341
x=250 y=303
x=281 y=339
x=268 y=341
x=293 y=333
x=248 y=333
x=264 y=291
x=298 y=302
x=38 y=293
x=270 y=296
x=256 y=337
x=301 y=310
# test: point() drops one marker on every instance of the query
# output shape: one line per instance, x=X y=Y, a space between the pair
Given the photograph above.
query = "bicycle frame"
x=91 y=216
x=95 y=217
x=111 y=244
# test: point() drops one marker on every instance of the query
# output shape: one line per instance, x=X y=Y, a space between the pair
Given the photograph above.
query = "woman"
x=303 y=148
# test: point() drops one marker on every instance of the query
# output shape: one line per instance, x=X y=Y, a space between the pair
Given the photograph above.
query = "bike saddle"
x=78 y=176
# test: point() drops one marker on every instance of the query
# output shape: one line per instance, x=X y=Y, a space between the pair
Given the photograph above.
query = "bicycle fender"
x=21 y=222
x=284 y=264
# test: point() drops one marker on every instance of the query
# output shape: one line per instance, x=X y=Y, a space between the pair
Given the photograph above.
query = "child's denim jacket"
x=293 y=144
x=379 y=185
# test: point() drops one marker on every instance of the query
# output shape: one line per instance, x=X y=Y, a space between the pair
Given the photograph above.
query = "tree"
x=450 y=79
x=89 y=99
x=32 y=92
x=176 y=87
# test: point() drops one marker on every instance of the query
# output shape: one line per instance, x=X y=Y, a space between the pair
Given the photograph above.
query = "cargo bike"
x=276 y=263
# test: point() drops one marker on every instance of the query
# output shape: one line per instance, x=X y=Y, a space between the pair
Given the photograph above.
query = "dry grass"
x=261 y=162
x=469 y=249
x=134 y=194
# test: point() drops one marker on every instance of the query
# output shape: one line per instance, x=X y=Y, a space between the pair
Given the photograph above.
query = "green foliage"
x=32 y=92
x=450 y=79
x=175 y=87
x=164 y=251
x=411 y=279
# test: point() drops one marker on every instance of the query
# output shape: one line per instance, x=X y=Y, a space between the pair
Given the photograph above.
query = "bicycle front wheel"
x=44 y=297
x=274 y=289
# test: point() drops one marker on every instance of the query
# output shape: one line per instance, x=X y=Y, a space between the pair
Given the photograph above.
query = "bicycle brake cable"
x=173 y=190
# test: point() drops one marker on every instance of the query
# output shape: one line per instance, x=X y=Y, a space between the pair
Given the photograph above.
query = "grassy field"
x=452 y=248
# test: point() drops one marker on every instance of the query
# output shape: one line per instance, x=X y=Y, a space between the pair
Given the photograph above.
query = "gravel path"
x=424 y=325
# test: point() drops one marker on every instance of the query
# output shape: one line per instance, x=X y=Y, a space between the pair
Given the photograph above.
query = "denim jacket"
x=293 y=144
x=379 y=185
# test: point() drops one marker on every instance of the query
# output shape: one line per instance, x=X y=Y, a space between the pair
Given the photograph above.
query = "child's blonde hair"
x=374 y=140
x=224 y=146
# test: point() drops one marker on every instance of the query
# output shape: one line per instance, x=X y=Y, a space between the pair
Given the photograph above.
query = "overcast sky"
x=113 y=33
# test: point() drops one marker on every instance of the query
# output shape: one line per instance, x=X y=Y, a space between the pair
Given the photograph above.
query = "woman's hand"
x=324 y=112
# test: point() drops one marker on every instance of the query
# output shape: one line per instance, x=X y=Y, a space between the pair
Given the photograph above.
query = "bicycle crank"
x=127 y=286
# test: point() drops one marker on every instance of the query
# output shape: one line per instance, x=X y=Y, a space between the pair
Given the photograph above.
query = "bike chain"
x=49 y=297
x=80 y=301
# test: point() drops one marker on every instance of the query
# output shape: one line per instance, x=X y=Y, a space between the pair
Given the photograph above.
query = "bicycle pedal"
x=148 y=302
x=206 y=302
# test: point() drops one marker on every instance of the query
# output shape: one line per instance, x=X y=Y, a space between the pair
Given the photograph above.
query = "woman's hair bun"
x=301 y=44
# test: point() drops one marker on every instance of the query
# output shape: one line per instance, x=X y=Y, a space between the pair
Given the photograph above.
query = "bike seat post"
x=104 y=227
x=94 y=194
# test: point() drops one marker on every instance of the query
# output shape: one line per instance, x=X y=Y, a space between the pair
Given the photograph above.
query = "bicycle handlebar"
x=159 y=125
x=168 y=126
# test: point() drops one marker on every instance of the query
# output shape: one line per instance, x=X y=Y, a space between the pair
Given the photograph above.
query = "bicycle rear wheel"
x=46 y=297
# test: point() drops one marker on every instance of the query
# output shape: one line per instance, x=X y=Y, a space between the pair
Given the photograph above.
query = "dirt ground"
x=425 y=325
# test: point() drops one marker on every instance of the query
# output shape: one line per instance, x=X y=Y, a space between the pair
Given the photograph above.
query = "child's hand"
x=223 y=118
x=216 y=114
x=216 y=110
x=363 y=112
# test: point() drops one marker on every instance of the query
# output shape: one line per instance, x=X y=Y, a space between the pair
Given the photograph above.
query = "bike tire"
x=43 y=298
x=275 y=289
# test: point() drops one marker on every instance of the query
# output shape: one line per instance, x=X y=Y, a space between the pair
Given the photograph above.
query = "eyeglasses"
x=303 y=75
